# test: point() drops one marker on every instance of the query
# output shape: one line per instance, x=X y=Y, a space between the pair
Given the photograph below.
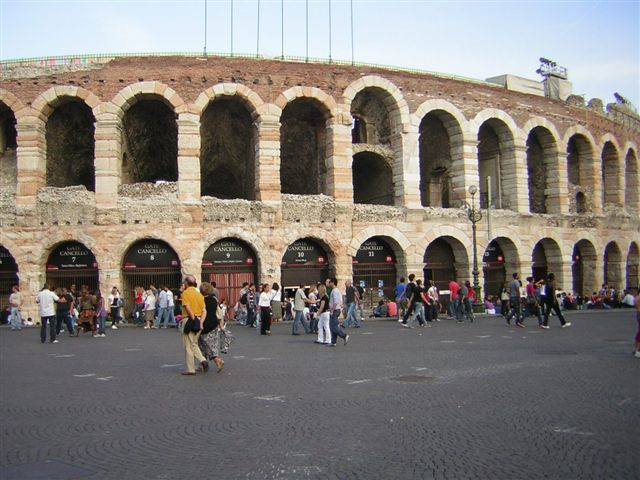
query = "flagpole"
x=352 y=57
x=306 y=57
x=329 y=31
x=232 y=28
x=258 y=36
x=282 y=27
x=205 y=28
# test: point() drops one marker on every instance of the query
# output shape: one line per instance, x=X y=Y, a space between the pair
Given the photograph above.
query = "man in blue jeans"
x=300 y=301
x=335 y=307
x=352 y=301
x=46 y=300
x=514 y=300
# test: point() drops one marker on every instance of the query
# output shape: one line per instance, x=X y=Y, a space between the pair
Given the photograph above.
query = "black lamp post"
x=475 y=216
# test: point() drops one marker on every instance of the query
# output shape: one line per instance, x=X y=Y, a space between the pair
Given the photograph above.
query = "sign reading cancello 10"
x=304 y=252
x=374 y=250
x=228 y=252
x=151 y=254
x=71 y=256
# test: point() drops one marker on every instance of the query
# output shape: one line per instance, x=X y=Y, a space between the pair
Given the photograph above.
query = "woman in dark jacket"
x=552 y=302
x=209 y=340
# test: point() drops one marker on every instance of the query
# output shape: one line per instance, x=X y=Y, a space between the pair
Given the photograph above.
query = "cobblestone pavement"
x=454 y=401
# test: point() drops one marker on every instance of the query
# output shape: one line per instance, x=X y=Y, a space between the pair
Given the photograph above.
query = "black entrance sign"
x=374 y=250
x=151 y=254
x=229 y=252
x=7 y=262
x=71 y=256
x=493 y=254
x=304 y=252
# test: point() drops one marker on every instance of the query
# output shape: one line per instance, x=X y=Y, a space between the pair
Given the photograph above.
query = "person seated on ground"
x=628 y=301
x=381 y=310
x=569 y=302
x=489 y=306
x=392 y=309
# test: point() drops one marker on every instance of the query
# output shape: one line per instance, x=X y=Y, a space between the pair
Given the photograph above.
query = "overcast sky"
x=597 y=41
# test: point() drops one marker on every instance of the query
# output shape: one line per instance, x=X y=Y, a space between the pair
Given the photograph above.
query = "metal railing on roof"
x=100 y=58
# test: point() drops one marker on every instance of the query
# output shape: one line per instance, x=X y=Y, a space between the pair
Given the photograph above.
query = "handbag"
x=191 y=325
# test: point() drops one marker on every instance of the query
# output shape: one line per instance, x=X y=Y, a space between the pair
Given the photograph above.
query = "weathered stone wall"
x=148 y=203
x=66 y=206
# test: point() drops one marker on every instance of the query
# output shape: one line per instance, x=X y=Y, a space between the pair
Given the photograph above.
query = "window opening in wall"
x=8 y=146
x=610 y=173
x=150 y=142
x=227 y=150
x=370 y=109
x=579 y=174
x=70 y=145
x=358 y=130
x=537 y=175
x=631 y=181
x=372 y=179
x=489 y=165
x=581 y=203
x=303 y=138
x=435 y=162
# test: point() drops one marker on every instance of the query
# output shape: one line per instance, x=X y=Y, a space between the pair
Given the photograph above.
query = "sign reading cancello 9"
x=71 y=256
x=151 y=254
x=304 y=252
x=228 y=252
x=374 y=250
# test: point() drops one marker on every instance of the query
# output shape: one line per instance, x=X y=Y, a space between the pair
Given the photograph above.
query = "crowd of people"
x=202 y=317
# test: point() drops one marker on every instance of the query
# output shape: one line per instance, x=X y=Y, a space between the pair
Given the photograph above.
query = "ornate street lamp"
x=475 y=215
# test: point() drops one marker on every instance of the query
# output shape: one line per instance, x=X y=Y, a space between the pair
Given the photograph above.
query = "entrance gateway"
x=304 y=263
x=374 y=269
x=72 y=263
x=495 y=273
x=8 y=272
x=229 y=262
x=148 y=262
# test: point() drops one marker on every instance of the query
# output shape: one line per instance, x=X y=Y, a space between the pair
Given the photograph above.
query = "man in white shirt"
x=335 y=307
x=46 y=301
x=163 y=307
x=15 y=302
x=299 y=303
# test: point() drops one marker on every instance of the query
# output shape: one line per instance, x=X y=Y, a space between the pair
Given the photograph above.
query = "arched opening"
x=500 y=257
x=583 y=268
x=71 y=145
x=150 y=150
x=547 y=258
x=149 y=262
x=631 y=176
x=372 y=179
x=370 y=110
x=610 y=175
x=72 y=263
x=227 y=151
x=8 y=273
x=541 y=149
x=8 y=149
x=439 y=142
x=304 y=263
x=632 y=268
x=445 y=259
x=303 y=138
x=374 y=269
x=495 y=150
x=579 y=173
x=229 y=263
x=358 y=130
x=613 y=265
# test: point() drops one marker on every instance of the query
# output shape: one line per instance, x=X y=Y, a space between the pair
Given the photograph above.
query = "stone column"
x=189 y=168
x=31 y=168
x=406 y=168
x=465 y=171
x=340 y=157
x=267 y=158
x=32 y=278
x=556 y=189
x=108 y=165
x=515 y=178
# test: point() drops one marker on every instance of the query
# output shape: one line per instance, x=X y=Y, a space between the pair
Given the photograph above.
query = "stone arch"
x=372 y=179
x=131 y=94
x=441 y=153
x=613 y=265
x=584 y=266
x=184 y=250
x=633 y=262
x=497 y=137
x=329 y=106
x=80 y=236
x=398 y=240
x=496 y=270
x=11 y=101
x=47 y=101
x=542 y=163
x=611 y=171
x=251 y=99
x=582 y=181
x=445 y=257
x=546 y=257
x=249 y=237
x=228 y=155
x=632 y=180
x=329 y=240
x=375 y=81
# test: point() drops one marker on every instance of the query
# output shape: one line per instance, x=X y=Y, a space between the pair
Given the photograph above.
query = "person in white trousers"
x=324 y=332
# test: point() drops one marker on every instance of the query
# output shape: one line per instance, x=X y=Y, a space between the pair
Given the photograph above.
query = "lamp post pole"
x=474 y=217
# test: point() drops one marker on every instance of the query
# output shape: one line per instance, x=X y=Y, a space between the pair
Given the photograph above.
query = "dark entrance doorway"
x=8 y=275
x=72 y=263
x=229 y=263
x=149 y=262
x=539 y=268
x=374 y=269
x=494 y=270
x=304 y=263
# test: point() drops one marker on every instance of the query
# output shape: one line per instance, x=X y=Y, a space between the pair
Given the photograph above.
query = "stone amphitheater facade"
x=190 y=151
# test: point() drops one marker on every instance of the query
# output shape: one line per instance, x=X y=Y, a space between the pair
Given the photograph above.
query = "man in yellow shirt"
x=192 y=307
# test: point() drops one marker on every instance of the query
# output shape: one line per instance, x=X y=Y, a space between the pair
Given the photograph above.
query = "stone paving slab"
x=452 y=401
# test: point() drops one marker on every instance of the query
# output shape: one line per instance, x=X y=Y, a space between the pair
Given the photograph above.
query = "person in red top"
x=454 y=305
x=392 y=309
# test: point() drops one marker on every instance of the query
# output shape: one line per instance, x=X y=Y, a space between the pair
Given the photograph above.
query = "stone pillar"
x=515 y=178
x=340 y=157
x=108 y=165
x=109 y=277
x=31 y=168
x=465 y=171
x=32 y=277
x=267 y=158
x=556 y=189
x=189 y=168
x=406 y=168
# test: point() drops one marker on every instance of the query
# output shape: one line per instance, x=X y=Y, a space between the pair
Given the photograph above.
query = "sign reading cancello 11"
x=151 y=254
x=71 y=256
x=374 y=250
